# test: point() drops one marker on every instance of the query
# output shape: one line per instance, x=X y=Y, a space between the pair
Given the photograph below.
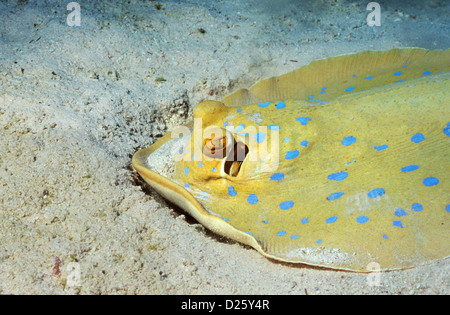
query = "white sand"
x=77 y=102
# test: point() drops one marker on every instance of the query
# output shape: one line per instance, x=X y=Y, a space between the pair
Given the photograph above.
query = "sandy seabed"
x=77 y=102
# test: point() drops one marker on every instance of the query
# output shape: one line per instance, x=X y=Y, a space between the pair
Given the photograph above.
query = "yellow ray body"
x=356 y=169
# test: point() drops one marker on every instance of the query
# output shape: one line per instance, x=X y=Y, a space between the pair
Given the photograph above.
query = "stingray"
x=343 y=163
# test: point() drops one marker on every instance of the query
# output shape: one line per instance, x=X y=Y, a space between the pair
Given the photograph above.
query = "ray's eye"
x=220 y=144
x=217 y=143
x=215 y=147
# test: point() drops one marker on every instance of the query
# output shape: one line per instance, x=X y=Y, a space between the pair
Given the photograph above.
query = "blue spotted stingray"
x=341 y=164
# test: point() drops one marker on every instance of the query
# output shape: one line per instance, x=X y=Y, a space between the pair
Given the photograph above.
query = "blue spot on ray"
x=252 y=199
x=348 y=140
x=377 y=192
x=447 y=208
x=410 y=168
x=417 y=207
x=281 y=233
x=417 y=138
x=232 y=192
x=304 y=143
x=398 y=223
x=381 y=147
x=362 y=219
x=397 y=74
x=400 y=212
x=277 y=177
x=369 y=77
x=303 y=120
x=286 y=205
x=447 y=130
x=240 y=128
x=280 y=105
x=331 y=219
x=335 y=196
x=265 y=104
x=186 y=170
x=260 y=137
x=304 y=220
x=430 y=181
x=349 y=89
x=338 y=176
x=292 y=154
x=426 y=72
x=274 y=127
